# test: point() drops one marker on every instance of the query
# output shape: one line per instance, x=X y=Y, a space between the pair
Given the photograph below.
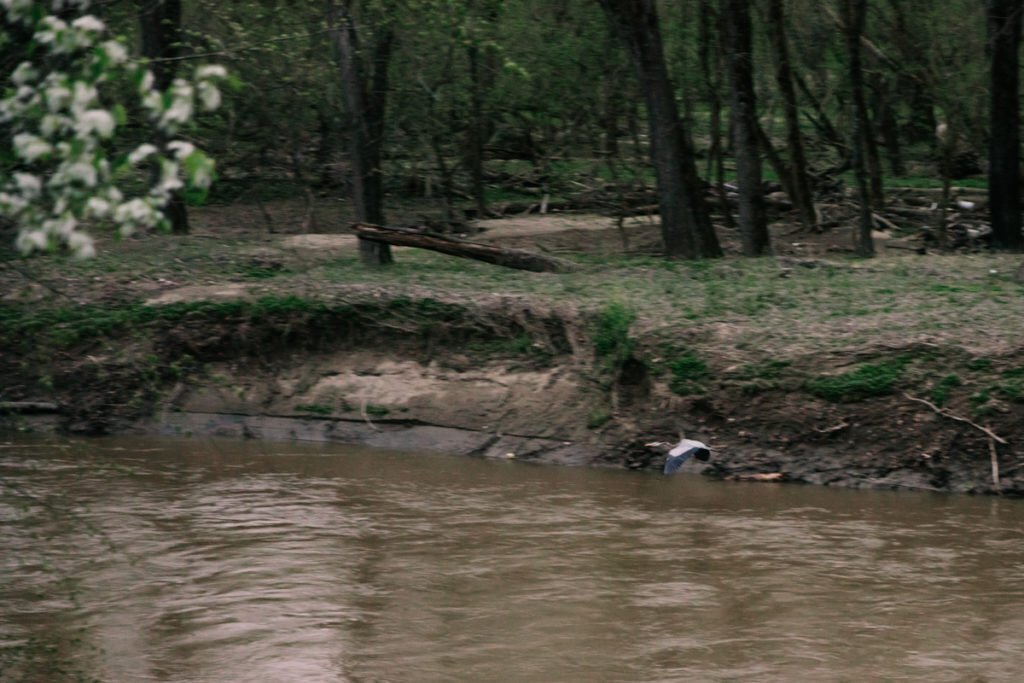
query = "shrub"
x=864 y=382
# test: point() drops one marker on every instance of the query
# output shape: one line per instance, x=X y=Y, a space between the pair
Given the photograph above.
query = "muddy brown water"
x=181 y=560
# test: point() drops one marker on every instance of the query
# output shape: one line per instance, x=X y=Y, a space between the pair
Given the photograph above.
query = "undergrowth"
x=866 y=381
x=612 y=343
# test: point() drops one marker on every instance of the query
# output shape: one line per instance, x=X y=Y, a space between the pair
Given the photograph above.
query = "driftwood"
x=509 y=258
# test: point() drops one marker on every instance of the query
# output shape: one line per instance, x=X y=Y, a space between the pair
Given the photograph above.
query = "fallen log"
x=509 y=258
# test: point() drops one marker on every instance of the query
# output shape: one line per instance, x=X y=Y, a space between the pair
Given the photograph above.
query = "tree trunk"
x=753 y=221
x=366 y=122
x=685 y=225
x=803 y=199
x=160 y=31
x=710 y=49
x=475 y=146
x=1004 y=26
x=885 y=114
x=855 y=15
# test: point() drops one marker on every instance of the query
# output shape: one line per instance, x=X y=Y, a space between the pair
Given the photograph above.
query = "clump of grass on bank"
x=866 y=381
x=612 y=342
x=687 y=374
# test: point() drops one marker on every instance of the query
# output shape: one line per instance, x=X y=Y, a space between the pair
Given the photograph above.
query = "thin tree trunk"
x=365 y=127
x=709 y=47
x=475 y=155
x=803 y=199
x=753 y=221
x=1004 y=26
x=685 y=225
x=160 y=31
x=889 y=128
x=853 y=26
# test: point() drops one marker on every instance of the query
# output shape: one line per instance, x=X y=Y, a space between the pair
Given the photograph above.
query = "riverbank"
x=807 y=367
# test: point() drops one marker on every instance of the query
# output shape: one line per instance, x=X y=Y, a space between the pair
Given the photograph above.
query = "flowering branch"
x=62 y=131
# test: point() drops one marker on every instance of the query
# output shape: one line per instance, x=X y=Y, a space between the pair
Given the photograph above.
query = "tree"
x=799 y=183
x=753 y=222
x=364 y=91
x=160 y=30
x=1004 y=26
x=63 y=118
x=854 y=17
x=685 y=224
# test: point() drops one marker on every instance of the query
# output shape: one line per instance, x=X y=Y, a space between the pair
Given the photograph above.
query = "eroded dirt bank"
x=502 y=376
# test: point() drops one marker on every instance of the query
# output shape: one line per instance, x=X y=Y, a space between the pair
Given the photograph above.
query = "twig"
x=885 y=222
x=945 y=413
x=843 y=424
x=995 y=466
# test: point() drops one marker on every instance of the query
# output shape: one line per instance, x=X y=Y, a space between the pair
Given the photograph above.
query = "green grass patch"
x=612 y=342
x=686 y=373
x=285 y=316
x=941 y=390
x=598 y=418
x=979 y=364
x=866 y=381
x=315 y=408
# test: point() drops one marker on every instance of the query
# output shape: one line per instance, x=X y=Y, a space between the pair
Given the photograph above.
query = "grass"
x=612 y=343
x=686 y=373
x=315 y=408
x=878 y=379
x=882 y=302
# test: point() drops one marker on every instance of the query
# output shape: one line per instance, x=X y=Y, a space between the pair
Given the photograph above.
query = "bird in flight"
x=683 y=451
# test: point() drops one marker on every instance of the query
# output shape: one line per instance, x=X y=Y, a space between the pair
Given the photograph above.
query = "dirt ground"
x=393 y=388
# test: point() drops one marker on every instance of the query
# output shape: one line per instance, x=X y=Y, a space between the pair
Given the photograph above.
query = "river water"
x=157 y=560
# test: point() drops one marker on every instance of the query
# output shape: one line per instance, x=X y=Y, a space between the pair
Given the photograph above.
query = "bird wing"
x=676 y=459
x=686 y=445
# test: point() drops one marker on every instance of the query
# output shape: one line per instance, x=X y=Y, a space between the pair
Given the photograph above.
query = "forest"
x=478 y=108
x=787 y=228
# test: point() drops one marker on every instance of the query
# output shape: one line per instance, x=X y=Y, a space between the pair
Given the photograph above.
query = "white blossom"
x=57 y=97
x=30 y=147
x=141 y=153
x=12 y=204
x=59 y=121
x=136 y=212
x=113 y=195
x=98 y=121
x=28 y=185
x=51 y=124
x=169 y=179
x=115 y=52
x=181 y=108
x=146 y=84
x=153 y=102
x=77 y=171
x=61 y=226
x=32 y=240
x=89 y=23
x=24 y=74
x=181 y=148
x=202 y=175
x=209 y=95
x=97 y=207
x=16 y=7
x=81 y=245
x=211 y=71
x=85 y=96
